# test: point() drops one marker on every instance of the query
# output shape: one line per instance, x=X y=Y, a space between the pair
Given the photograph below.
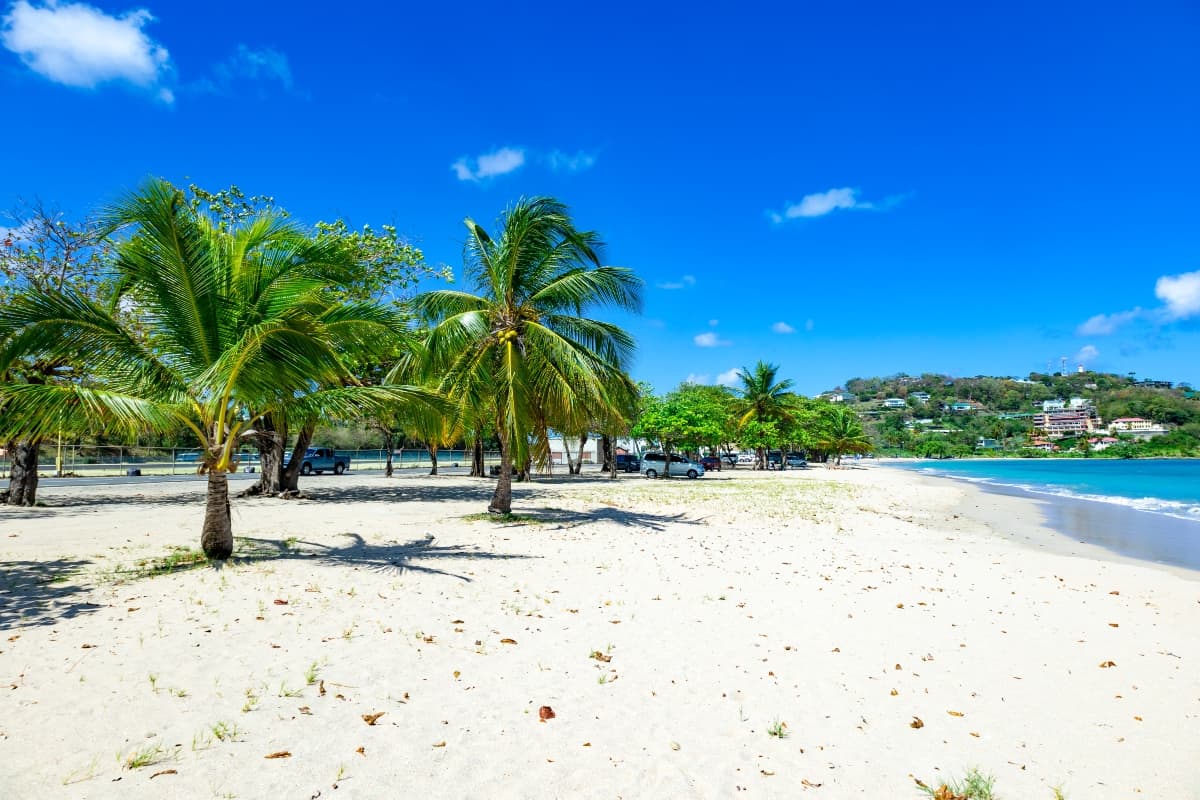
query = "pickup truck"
x=323 y=459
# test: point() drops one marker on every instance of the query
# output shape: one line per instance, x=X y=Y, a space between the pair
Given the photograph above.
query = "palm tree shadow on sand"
x=357 y=552
x=42 y=592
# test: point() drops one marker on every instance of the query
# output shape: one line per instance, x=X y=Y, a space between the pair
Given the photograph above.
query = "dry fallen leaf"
x=674 y=745
x=975 y=734
x=86 y=646
x=810 y=784
x=587 y=744
x=1113 y=625
x=1139 y=719
x=456 y=622
x=955 y=713
x=456 y=674
x=279 y=602
x=1107 y=664
x=545 y=713
x=894 y=692
x=362 y=751
x=441 y=743
x=596 y=654
x=321 y=689
x=506 y=640
x=916 y=723
x=305 y=710
x=427 y=639
x=371 y=718
x=1114 y=591
x=280 y=754
x=767 y=773
x=164 y=772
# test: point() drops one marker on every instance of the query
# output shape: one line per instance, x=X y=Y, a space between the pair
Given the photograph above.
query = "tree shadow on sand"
x=41 y=592
x=568 y=518
x=351 y=550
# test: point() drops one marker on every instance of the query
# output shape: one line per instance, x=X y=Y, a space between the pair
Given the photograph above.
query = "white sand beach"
x=891 y=626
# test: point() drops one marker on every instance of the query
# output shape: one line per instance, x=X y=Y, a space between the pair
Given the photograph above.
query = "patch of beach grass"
x=507 y=519
x=973 y=786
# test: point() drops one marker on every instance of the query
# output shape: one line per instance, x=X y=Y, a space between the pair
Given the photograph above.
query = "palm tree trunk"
x=270 y=441
x=606 y=452
x=291 y=472
x=433 y=451
x=477 y=456
x=216 y=537
x=577 y=469
x=23 y=472
x=502 y=499
x=389 y=442
x=760 y=458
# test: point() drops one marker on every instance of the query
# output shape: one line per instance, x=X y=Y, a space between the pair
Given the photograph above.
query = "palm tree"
x=843 y=433
x=521 y=344
x=212 y=328
x=763 y=399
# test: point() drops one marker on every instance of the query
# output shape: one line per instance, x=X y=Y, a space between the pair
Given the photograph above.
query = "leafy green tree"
x=521 y=345
x=688 y=418
x=211 y=324
x=43 y=251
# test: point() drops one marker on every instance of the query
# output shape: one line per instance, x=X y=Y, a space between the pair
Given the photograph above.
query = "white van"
x=652 y=465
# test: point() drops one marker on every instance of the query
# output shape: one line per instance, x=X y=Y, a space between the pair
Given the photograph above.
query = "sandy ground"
x=890 y=626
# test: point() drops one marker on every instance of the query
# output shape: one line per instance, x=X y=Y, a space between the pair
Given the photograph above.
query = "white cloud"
x=261 y=64
x=730 y=377
x=489 y=165
x=782 y=327
x=709 y=339
x=1104 y=324
x=559 y=161
x=1087 y=354
x=78 y=45
x=694 y=378
x=822 y=203
x=682 y=283
x=1181 y=293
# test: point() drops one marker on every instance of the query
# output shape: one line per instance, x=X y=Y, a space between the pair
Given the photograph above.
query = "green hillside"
x=1002 y=409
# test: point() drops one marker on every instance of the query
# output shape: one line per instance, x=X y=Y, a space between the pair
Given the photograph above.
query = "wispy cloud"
x=247 y=64
x=489 y=165
x=782 y=327
x=682 y=283
x=709 y=339
x=1104 y=324
x=78 y=45
x=696 y=378
x=821 y=203
x=730 y=377
x=1087 y=354
x=559 y=161
x=1180 y=296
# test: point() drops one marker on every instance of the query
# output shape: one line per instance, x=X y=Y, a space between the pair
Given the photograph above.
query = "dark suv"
x=628 y=463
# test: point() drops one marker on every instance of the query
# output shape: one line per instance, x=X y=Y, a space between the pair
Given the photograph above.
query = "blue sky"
x=842 y=189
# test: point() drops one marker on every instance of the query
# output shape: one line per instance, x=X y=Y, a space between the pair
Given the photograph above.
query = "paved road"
x=120 y=480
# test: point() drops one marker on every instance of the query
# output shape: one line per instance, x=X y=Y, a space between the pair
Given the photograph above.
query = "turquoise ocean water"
x=1160 y=486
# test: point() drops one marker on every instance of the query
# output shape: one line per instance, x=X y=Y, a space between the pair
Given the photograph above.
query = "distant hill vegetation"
x=940 y=416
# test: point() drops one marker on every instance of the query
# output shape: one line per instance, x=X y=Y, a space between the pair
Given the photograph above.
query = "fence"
x=102 y=461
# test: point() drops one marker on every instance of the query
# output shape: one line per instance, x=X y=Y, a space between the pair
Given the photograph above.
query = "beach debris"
x=674 y=745
x=1113 y=625
x=1139 y=719
x=86 y=646
x=371 y=719
x=916 y=723
x=280 y=602
x=442 y=743
x=306 y=710
x=279 y=754
x=507 y=640
x=1107 y=664
x=457 y=622
x=596 y=654
x=766 y=773
x=1114 y=591
x=321 y=689
x=809 y=784
x=164 y=772
x=545 y=713
x=456 y=674
x=894 y=692
x=587 y=744
x=955 y=713
x=427 y=639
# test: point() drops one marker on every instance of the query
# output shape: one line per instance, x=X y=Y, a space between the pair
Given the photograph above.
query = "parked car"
x=628 y=463
x=711 y=463
x=730 y=459
x=654 y=463
x=745 y=458
x=796 y=461
x=774 y=459
x=322 y=459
